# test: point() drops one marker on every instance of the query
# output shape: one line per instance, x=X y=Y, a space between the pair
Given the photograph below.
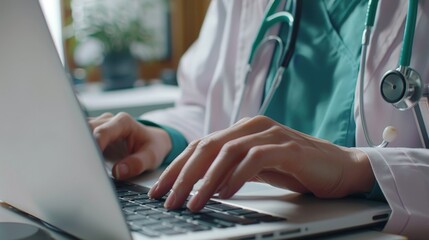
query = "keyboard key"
x=155 y=205
x=130 y=197
x=162 y=216
x=131 y=208
x=173 y=231
x=141 y=197
x=211 y=202
x=142 y=208
x=146 y=212
x=145 y=222
x=240 y=212
x=174 y=221
x=135 y=217
x=192 y=227
x=126 y=194
x=139 y=189
x=134 y=228
x=230 y=218
x=128 y=204
x=149 y=233
x=145 y=201
x=211 y=222
x=180 y=212
x=159 y=228
x=128 y=213
x=222 y=207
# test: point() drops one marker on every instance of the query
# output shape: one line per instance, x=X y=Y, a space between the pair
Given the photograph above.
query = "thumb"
x=135 y=164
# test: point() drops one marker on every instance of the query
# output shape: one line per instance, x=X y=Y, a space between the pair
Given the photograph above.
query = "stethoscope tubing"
x=249 y=70
x=271 y=18
x=365 y=42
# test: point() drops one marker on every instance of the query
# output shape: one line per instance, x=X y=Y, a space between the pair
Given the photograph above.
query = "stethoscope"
x=401 y=87
x=289 y=17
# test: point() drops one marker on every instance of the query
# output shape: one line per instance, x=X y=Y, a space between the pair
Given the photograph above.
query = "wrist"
x=176 y=141
x=164 y=143
x=362 y=177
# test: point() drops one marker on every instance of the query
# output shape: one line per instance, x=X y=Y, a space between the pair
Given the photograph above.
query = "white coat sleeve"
x=194 y=76
x=402 y=169
x=403 y=176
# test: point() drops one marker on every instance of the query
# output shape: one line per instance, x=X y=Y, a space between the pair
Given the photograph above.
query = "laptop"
x=52 y=169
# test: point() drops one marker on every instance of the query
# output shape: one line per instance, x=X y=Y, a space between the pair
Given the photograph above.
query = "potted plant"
x=110 y=34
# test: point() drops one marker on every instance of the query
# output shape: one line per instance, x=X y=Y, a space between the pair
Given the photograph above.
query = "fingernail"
x=171 y=200
x=121 y=170
x=153 y=189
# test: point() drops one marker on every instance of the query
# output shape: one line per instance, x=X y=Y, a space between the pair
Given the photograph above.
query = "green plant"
x=118 y=33
x=117 y=26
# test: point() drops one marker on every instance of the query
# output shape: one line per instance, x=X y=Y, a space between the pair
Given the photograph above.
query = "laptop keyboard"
x=149 y=217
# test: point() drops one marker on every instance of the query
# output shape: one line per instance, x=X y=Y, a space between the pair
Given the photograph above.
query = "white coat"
x=211 y=74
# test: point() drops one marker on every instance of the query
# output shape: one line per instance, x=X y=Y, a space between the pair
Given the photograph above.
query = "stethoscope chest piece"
x=402 y=88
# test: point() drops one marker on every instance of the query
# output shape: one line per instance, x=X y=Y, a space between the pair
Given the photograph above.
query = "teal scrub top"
x=316 y=95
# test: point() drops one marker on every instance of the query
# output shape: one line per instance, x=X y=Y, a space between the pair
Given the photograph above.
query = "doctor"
x=310 y=139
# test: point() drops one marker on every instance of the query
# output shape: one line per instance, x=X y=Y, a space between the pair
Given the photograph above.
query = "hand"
x=260 y=149
x=145 y=147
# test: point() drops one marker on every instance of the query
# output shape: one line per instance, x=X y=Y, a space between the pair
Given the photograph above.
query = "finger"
x=105 y=115
x=229 y=157
x=170 y=174
x=193 y=168
x=259 y=158
x=119 y=127
x=96 y=121
x=241 y=121
x=135 y=164
x=225 y=180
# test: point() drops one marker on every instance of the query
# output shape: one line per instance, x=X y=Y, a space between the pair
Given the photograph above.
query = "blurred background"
x=133 y=41
x=122 y=55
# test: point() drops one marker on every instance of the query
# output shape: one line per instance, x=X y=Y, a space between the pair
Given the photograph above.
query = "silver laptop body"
x=51 y=167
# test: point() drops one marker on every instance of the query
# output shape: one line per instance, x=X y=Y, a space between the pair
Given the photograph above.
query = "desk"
x=134 y=101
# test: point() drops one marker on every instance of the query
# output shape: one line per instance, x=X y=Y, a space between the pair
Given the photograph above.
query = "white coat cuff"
x=385 y=177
